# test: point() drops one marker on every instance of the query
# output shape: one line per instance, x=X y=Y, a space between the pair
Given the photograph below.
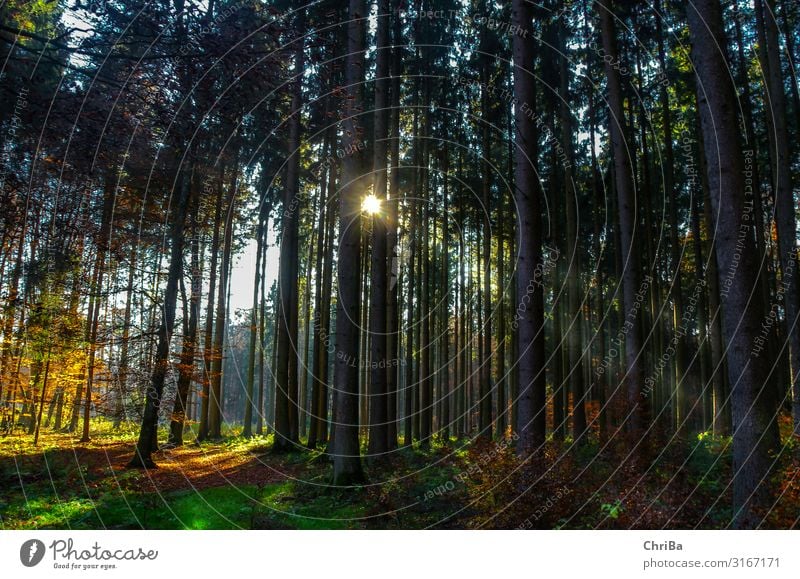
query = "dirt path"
x=181 y=468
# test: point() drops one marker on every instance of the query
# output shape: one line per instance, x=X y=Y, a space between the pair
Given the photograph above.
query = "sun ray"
x=371 y=205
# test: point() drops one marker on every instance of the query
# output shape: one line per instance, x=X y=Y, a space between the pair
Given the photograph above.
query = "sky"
x=243 y=272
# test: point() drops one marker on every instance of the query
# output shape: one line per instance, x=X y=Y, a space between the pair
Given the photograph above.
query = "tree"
x=147 y=442
x=785 y=205
x=187 y=361
x=379 y=362
x=530 y=358
x=347 y=467
x=755 y=433
x=626 y=201
x=286 y=416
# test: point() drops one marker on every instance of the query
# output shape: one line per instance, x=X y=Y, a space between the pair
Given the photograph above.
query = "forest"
x=399 y=264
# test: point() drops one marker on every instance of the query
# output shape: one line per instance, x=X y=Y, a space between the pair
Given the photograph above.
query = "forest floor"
x=240 y=484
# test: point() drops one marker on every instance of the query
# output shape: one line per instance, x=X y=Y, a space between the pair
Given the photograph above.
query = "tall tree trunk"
x=124 y=357
x=411 y=343
x=208 y=346
x=315 y=240
x=445 y=401
x=320 y=345
x=682 y=381
x=485 y=428
x=187 y=369
x=574 y=307
x=262 y=339
x=461 y=343
x=530 y=354
x=363 y=375
x=220 y=328
x=145 y=445
x=425 y=409
x=286 y=415
x=247 y=431
x=755 y=436
x=103 y=243
x=392 y=242
x=599 y=210
x=626 y=195
x=378 y=321
x=722 y=404
x=43 y=396
x=325 y=306
x=347 y=467
x=785 y=205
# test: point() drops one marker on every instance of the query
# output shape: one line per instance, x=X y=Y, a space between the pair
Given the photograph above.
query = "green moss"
x=303 y=506
x=46 y=513
x=284 y=505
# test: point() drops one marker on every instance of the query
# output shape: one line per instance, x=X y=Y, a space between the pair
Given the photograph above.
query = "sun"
x=371 y=205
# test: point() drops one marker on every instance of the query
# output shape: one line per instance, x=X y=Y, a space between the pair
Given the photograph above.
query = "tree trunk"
x=378 y=321
x=262 y=338
x=304 y=404
x=145 y=445
x=485 y=408
x=722 y=404
x=42 y=398
x=247 y=431
x=626 y=195
x=575 y=309
x=347 y=467
x=682 y=381
x=208 y=346
x=186 y=368
x=320 y=345
x=530 y=354
x=286 y=415
x=103 y=243
x=461 y=321
x=215 y=393
x=425 y=409
x=393 y=297
x=411 y=343
x=444 y=300
x=785 y=205
x=755 y=436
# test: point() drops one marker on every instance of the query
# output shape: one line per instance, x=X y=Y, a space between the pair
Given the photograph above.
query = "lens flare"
x=371 y=205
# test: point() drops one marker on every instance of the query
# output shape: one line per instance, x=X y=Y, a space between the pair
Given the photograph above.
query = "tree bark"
x=785 y=205
x=286 y=415
x=755 y=436
x=103 y=243
x=626 y=195
x=208 y=345
x=393 y=297
x=221 y=326
x=530 y=354
x=145 y=445
x=247 y=431
x=486 y=389
x=378 y=321
x=574 y=307
x=186 y=368
x=347 y=467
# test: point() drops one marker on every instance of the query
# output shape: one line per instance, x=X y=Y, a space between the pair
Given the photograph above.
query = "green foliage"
x=47 y=513
x=612 y=510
